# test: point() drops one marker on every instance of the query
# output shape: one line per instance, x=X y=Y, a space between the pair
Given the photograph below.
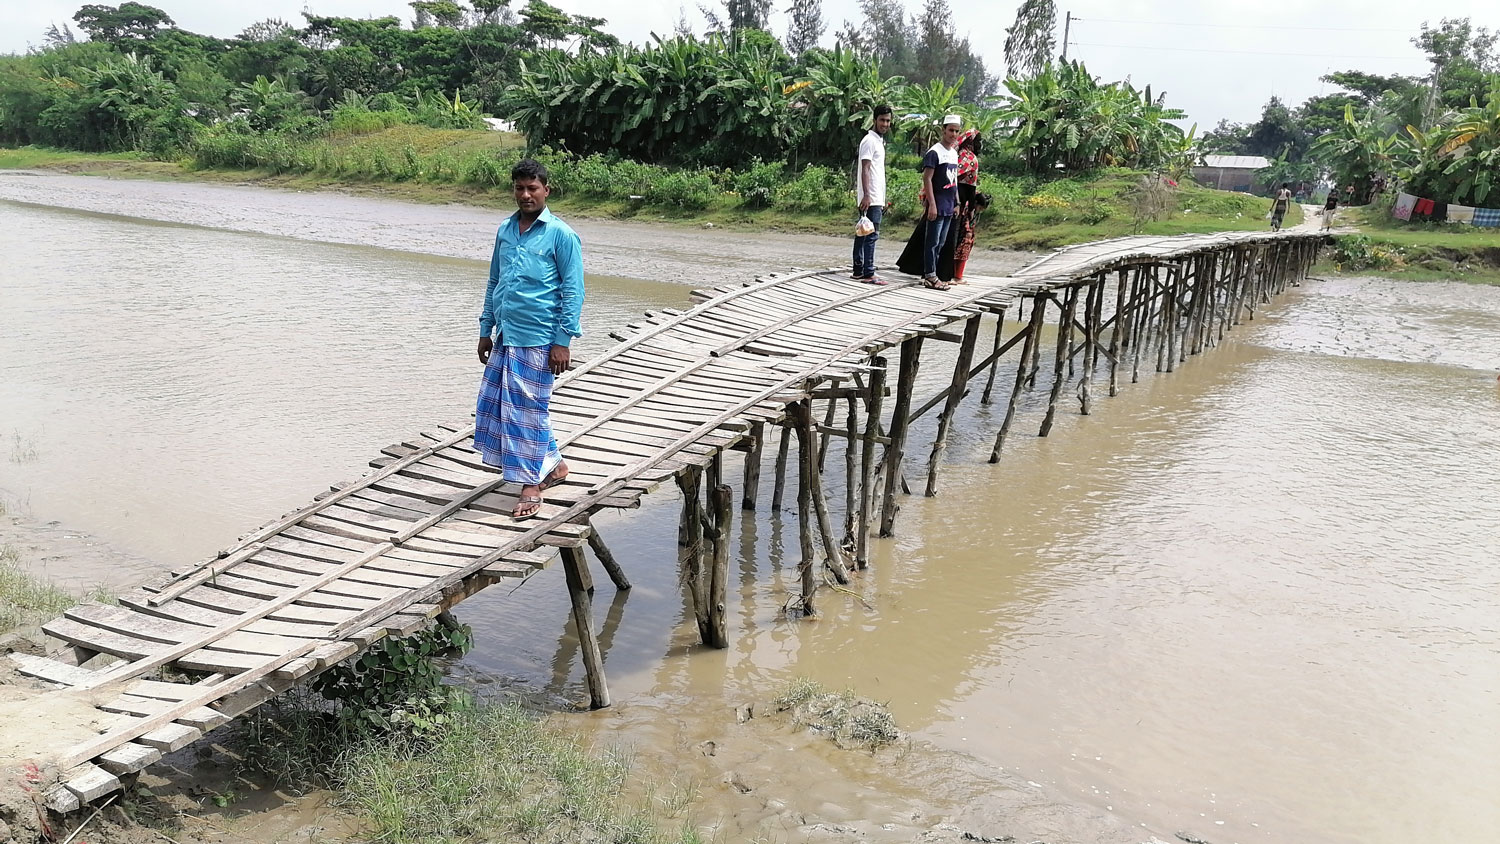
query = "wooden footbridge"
x=430 y=525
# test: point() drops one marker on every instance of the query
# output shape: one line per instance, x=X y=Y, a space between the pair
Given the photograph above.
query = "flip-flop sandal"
x=934 y=284
x=875 y=280
x=552 y=480
x=521 y=513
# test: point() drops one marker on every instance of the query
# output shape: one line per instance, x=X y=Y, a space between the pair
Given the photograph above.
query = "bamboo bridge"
x=429 y=526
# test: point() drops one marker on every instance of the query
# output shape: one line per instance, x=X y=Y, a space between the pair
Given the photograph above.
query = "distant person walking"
x=1330 y=206
x=940 y=192
x=532 y=308
x=870 y=193
x=1279 y=207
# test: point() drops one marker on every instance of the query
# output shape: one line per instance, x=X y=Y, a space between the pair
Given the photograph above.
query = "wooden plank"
x=50 y=670
x=90 y=782
x=129 y=758
x=169 y=738
x=199 y=717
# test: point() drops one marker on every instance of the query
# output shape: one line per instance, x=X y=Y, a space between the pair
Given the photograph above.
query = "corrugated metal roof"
x=1241 y=162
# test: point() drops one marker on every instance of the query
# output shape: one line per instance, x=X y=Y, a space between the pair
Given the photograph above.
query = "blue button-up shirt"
x=535 y=293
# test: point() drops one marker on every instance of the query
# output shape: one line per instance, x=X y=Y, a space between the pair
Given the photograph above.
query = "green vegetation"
x=1418 y=252
x=847 y=719
x=26 y=600
x=496 y=773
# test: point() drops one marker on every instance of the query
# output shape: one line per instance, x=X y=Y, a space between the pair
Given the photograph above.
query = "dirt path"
x=653 y=251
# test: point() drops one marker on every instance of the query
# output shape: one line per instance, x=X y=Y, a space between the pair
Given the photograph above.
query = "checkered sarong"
x=1487 y=217
x=512 y=429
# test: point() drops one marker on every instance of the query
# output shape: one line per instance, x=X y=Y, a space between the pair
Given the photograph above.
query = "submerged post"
x=1064 y=341
x=911 y=356
x=752 y=466
x=718 y=582
x=867 y=461
x=802 y=419
x=580 y=584
x=955 y=395
x=607 y=559
x=1033 y=331
x=989 y=385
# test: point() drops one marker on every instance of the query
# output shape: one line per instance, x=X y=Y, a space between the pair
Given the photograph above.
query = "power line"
x=1239 y=52
x=1247 y=26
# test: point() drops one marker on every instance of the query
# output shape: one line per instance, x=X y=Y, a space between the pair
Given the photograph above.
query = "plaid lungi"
x=512 y=429
x=1489 y=217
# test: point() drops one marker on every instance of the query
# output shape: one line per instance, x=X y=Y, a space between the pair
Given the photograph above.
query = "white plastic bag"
x=863 y=226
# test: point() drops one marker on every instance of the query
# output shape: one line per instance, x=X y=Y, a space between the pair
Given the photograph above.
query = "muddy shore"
x=651 y=251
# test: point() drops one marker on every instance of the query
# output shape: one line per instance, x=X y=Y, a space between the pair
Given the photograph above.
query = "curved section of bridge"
x=430 y=524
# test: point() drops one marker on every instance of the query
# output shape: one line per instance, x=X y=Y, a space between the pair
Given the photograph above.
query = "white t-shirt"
x=872 y=149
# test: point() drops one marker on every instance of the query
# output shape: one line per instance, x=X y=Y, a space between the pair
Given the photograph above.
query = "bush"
x=816 y=189
x=757 y=186
x=1360 y=252
x=690 y=191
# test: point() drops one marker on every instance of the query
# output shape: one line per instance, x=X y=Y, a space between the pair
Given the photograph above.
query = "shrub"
x=688 y=190
x=816 y=189
x=757 y=186
x=1360 y=252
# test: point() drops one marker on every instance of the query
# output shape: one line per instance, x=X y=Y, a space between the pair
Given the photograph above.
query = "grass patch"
x=495 y=773
x=851 y=721
x=25 y=599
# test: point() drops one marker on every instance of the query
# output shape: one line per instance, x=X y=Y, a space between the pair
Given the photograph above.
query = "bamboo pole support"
x=721 y=502
x=989 y=385
x=580 y=585
x=805 y=463
x=911 y=357
x=689 y=481
x=828 y=417
x=1061 y=375
x=607 y=559
x=1117 y=335
x=1035 y=364
x=1033 y=340
x=867 y=461
x=1091 y=344
x=955 y=396
x=851 y=470
x=831 y=549
x=779 y=492
x=752 y=466
x=1065 y=338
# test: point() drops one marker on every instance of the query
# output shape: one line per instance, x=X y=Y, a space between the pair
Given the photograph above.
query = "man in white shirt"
x=869 y=185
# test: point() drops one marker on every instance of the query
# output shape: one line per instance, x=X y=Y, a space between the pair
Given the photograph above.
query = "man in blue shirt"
x=532 y=308
x=940 y=192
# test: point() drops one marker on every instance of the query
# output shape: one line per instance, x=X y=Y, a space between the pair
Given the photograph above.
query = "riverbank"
x=419 y=164
x=1389 y=248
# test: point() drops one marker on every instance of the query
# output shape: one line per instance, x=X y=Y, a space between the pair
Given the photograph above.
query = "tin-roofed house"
x=1231 y=172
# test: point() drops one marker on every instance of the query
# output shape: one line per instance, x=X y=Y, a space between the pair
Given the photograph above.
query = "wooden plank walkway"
x=430 y=524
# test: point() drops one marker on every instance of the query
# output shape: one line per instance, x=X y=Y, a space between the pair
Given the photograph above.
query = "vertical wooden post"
x=1065 y=332
x=851 y=469
x=867 y=461
x=1033 y=339
x=1092 y=308
x=955 y=395
x=715 y=472
x=831 y=549
x=1064 y=341
x=607 y=559
x=688 y=480
x=718 y=582
x=806 y=465
x=833 y=404
x=1173 y=314
x=778 y=493
x=580 y=584
x=989 y=385
x=1145 y=301
x=1035 y=365
x=1117 y=336
x=752 y=466
x=911 y=356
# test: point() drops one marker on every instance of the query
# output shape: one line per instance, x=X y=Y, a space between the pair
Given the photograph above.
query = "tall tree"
x=942 y=55
x=126 y=22
x=1029 y=41
x=738 y=15
x=885 y=34
x=805 y=26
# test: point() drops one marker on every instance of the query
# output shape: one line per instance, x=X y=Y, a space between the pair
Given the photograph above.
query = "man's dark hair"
x=529 y=168
x=882 y=109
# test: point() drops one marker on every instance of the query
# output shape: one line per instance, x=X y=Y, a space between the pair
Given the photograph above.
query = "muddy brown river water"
x=1255 y=600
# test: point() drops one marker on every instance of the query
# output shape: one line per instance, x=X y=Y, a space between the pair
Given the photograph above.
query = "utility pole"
x=1067 y=28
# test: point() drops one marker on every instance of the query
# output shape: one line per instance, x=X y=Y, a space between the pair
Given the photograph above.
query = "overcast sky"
x=1214 y=58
